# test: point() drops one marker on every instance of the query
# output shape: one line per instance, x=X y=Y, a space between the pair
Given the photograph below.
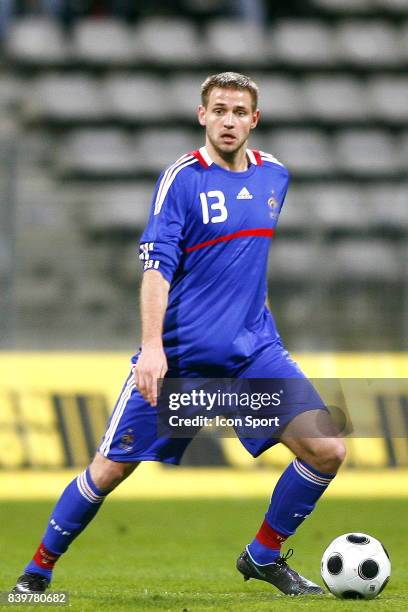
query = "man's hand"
x=151 y=365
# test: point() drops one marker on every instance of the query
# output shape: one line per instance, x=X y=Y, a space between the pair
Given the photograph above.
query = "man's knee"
x=107 y=474
x=328 y=455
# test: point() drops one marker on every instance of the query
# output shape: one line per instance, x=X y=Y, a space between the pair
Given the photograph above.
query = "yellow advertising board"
x=54 y=408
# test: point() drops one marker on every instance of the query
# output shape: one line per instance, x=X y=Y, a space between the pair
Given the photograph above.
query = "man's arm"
x=152 y=362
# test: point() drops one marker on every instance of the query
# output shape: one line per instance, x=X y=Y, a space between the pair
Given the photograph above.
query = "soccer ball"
x=355 y=566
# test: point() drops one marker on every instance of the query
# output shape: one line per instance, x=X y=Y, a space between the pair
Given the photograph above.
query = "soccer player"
x=204 y=253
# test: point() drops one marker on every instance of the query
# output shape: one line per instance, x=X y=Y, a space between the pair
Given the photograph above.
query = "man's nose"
x=229 y=119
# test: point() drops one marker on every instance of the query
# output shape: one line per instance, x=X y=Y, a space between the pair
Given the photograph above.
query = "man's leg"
x=309 y=431
x=317 y=460
x=301 y=485
x=77 y=506
x=134 y=421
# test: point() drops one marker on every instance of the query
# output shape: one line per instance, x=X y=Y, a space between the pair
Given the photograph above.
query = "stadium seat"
x=389 y=98
x=393 y=6
x=95 y=295
x=46 y=252
x=345 y=6
x=124 y=208
x=335 y=99
x=97 y=153
x=36 y=149
x=183 y=95
x=168 y=42
x=404 y=151
x=373 y=43
x=103 y=41
x=404 y=41
x=301 y=43
x=340 y=206
x=94 y=311
x=5 y=258
x=389 y=204
x=303 y=151
x=11 y=91
x=64 y=98
x=293 y=260
x=367 y=152
x=130 y=268
x=280 y=98
x=35 y=40
x=257 y=141
x=297 y=214
x=235 y=41
x=364 y=260
x=44 y=296
x=161 y=148
x=135 y=98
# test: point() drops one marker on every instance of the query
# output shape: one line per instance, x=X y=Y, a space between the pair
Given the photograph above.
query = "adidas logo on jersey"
x=244 y=194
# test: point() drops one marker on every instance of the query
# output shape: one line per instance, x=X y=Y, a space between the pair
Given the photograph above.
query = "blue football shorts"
x=132 y=431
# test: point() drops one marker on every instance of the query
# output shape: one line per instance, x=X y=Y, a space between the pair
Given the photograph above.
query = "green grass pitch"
x=179 y=555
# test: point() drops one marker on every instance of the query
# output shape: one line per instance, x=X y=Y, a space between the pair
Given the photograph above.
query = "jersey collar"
x=205 y=160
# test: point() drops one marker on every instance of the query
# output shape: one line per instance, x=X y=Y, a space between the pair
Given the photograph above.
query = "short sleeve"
x=160 y=242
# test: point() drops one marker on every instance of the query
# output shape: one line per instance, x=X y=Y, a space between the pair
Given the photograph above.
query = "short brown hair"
x=229 y=80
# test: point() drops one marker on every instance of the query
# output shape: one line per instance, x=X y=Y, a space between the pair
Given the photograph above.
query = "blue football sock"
x=293 y=499
x=76 y=507
x=261 y=554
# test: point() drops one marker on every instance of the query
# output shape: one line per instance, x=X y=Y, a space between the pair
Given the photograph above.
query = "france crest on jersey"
x=208 y=234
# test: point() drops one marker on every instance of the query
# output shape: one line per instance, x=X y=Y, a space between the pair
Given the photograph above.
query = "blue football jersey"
x=208 y=233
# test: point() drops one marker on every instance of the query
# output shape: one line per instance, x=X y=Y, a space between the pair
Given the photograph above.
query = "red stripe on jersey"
x=260 y=233
x=200 y=158
x=257 y=157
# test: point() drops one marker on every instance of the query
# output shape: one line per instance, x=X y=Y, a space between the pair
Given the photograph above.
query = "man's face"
x=228 y=118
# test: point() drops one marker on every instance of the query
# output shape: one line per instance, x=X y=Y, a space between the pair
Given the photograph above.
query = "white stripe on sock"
x=86 y=491
x=309 y=475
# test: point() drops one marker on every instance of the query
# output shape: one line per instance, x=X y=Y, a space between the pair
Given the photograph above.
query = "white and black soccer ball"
x=355 y=566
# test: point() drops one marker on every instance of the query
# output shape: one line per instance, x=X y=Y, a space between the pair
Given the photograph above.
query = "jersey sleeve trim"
x=168 y=178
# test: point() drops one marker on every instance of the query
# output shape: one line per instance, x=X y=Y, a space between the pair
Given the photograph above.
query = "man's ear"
x=255 y=119
x=201 y=112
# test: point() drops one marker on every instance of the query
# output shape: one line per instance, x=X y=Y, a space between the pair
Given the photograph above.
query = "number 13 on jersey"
x=218 y=206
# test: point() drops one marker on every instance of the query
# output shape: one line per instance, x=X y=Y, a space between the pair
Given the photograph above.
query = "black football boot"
x=279 y=574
